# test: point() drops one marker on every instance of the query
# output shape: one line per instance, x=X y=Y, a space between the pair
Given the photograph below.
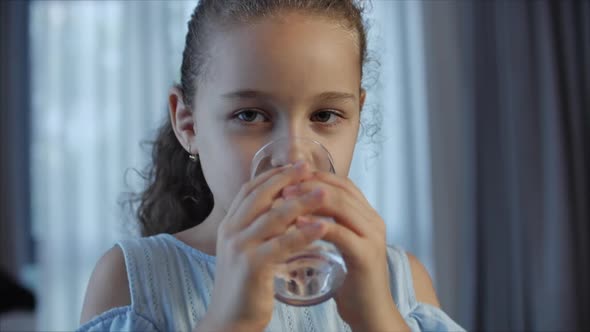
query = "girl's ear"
x=182 y=120
x=362 y=97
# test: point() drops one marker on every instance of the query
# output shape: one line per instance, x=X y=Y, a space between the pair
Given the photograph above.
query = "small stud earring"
x=193 y=157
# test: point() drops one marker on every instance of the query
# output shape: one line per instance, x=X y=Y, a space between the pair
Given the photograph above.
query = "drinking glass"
x=311 y=276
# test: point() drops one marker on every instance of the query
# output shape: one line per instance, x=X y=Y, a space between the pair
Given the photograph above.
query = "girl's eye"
x=327 y=117
x=251 y=116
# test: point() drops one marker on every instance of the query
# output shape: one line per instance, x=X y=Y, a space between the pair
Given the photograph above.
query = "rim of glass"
x=260 y=150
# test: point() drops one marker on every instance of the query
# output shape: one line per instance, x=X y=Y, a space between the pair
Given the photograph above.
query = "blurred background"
x=480 y=167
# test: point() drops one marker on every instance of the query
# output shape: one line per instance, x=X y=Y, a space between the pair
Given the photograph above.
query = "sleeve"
x=425 y=317
x=119 y=319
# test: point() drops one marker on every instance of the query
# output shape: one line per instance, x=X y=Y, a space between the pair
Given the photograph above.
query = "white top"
x=170 y=285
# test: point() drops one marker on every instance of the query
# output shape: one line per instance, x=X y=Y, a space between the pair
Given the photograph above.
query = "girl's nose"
x=292 y=149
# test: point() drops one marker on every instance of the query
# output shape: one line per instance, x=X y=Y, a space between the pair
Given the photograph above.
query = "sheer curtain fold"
x=101 y=73
x=571 y=32
x=393 y=166
x=515 y=116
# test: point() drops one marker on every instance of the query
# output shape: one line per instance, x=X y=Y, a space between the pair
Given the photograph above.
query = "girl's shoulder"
x=157 y=265
x=410 y=282
x=108 y=286
x=164 y=272
x=156 y=262
x=140 y=278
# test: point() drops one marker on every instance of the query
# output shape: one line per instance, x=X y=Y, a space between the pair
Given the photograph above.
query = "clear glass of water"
x=311 y=276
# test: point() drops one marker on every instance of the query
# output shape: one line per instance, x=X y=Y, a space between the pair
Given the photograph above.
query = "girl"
x=253 y=71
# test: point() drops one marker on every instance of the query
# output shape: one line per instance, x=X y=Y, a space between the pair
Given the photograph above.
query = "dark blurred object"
x=510 y=123
x=17 y=303
x=15 y=216
x=13 y=296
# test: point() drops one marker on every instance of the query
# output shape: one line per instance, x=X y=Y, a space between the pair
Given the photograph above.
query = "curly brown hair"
x=177 y=196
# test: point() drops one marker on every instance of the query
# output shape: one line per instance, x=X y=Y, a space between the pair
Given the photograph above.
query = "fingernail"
x=299 y=164
x=316 y=193
x=291 y=190
x=302 y=220
x=308 y=224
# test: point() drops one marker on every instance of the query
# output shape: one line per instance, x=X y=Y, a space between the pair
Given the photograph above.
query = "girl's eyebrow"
x=255 y=94
x=336 y=96
x=247 y=94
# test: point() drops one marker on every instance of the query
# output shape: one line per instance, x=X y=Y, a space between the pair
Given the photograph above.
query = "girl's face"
x=280 y=77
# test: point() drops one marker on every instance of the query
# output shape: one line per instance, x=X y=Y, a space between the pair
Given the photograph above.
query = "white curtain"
x=101 y=72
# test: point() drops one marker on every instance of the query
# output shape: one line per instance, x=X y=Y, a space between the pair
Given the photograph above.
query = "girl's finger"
x=342 y=182
x=282 y=215
x=349 y=243
x=340 y=205
x=249 y=186
x=278 y=249
x=260 y=196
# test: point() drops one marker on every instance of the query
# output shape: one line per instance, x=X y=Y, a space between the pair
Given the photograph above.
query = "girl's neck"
x=203 y=237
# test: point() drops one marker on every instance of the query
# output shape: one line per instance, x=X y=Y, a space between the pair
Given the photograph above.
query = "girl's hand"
x=251 y=240
x=364 y=300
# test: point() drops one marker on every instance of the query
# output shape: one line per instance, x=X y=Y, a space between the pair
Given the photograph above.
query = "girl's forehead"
x=303 y=54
